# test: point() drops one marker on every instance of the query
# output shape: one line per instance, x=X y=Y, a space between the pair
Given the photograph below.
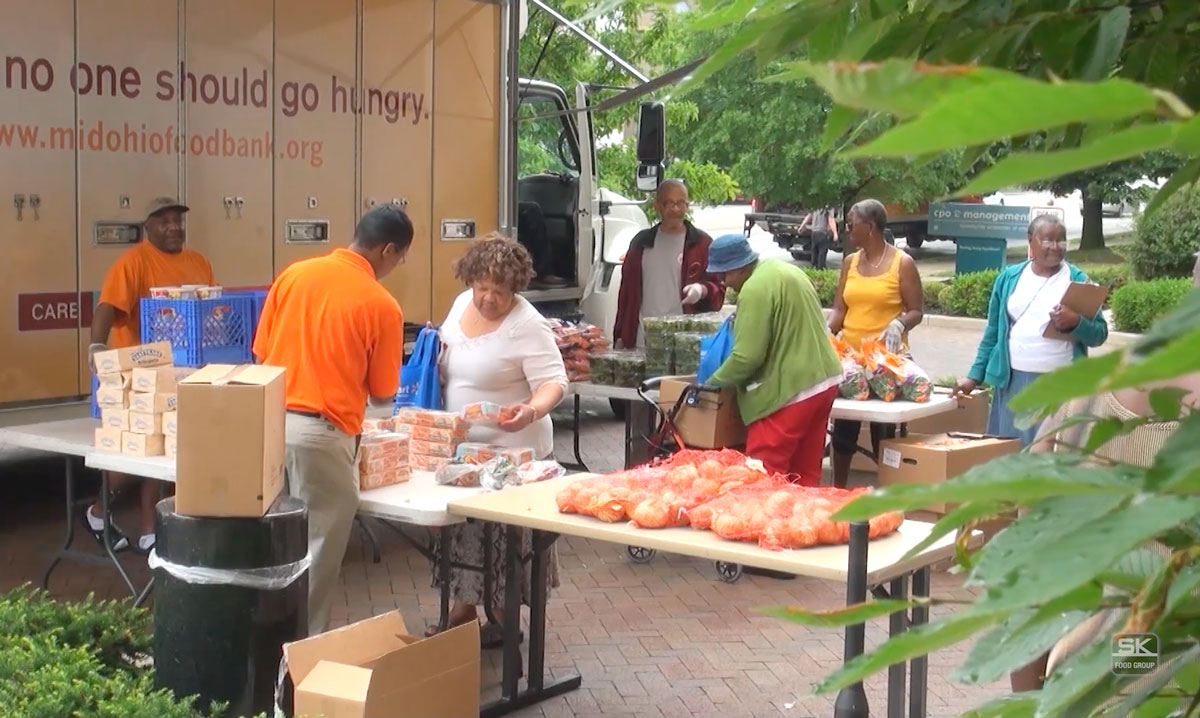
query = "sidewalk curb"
x=1116 y=340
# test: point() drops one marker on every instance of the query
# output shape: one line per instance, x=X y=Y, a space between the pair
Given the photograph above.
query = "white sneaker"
x=146 y=543
x=95 y=525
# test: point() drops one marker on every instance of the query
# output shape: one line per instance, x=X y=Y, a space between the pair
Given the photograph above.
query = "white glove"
x=893 y=336
x=92 y=349
x=693 y=293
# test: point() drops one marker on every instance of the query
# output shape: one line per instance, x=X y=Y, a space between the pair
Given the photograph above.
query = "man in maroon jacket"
x=665 y=270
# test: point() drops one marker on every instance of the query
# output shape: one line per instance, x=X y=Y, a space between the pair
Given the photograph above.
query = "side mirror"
x=651 y=145
x=652 y=133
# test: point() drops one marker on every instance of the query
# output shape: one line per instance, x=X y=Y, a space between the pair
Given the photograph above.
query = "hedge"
x=83 y=660
x=967 y=295
x=825 y=281
x=1167 y=240
x=1138 y=304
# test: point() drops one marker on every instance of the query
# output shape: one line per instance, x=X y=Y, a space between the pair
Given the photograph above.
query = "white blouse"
x=506 y=366
x=1029 y=309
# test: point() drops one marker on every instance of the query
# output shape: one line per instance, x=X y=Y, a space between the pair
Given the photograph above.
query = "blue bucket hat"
x=729 y=252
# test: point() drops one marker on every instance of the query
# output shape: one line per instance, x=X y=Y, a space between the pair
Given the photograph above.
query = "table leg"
x=897 y=673
x=445 y=551
x=488 y=559
x=108 y=541
x=918 y=696
x=637 y=427
x=575 y=413
x=69 y=538
x=376 y=555
x=852 y=700
x=512 y=698
x=141 y=597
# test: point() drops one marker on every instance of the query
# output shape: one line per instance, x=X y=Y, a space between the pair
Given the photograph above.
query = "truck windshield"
x=545 y=144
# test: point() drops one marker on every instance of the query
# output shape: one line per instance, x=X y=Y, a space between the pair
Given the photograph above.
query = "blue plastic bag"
x=420 y=379
x=714 y=350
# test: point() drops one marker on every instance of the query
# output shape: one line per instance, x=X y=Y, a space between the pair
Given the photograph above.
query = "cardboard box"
x=169 y=447
x=170 y=421
x=155 y=380
x=127 y=359
x=117 y=380
x=230 y=429
x=971 y=418
x=152 y=403
x=111 y=396
x=378 y=668
x=114 y=418
x=713 y=423
x=145 y=423
x=108 y=439
x=930 y=459
x=142 y=444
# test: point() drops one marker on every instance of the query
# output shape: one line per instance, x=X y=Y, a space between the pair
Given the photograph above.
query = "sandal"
x=491 y=635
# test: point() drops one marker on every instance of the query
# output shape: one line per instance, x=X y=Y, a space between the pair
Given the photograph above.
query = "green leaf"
x=1013 y=644
x=1183 y=177
x=1042 y=524
x=1109 y=429
x=959 y=516
x=919 y=641
x=896 y=87
x=1108 y=40
x=1019 y=705
x=1186 y=583
x=1180 y=357
x=1177 y=464
x=1006 y=108
x=1081 y=378
x=1074 y=678
x=827 y=37
x=1025 y=167
x=862 y=38
x=837 y=122
x=1179 y=322
x=848 y=616
x=1167 y=403
x=1188 y=139
x=1017 y=478
x=1079 y=557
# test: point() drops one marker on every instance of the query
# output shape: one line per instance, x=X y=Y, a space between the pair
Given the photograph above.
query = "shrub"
x=932 y=291
x=1167 y=240
x=84 y=660
x=1136 y=305
x=1113 y=276
x=968 y=294
x=825 y=281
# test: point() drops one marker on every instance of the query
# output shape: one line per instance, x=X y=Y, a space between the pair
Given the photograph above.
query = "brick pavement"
x=663 y=639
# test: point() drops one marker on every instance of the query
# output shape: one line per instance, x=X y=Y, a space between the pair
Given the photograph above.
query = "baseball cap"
x=729 y=252
x=159 y=204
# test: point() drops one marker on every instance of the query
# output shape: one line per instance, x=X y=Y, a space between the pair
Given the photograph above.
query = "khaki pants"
x=320 y=470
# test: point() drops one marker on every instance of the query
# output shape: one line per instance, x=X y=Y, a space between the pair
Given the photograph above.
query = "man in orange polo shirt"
x=159 y=260
x=340 y=335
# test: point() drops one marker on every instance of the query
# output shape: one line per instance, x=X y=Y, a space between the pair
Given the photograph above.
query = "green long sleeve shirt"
x=780 y=341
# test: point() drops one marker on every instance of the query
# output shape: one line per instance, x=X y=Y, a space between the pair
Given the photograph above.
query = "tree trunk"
x=1093 y=224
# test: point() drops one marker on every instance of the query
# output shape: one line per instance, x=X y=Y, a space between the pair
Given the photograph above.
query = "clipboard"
x=1085 y=299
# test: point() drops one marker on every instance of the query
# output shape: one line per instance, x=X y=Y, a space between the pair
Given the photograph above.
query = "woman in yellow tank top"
x=878 y=297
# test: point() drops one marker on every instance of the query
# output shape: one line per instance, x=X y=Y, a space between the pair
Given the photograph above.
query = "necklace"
x=876 y=263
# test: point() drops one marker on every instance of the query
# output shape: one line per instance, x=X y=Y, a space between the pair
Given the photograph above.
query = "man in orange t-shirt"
x=340 y=336
x=159 y=260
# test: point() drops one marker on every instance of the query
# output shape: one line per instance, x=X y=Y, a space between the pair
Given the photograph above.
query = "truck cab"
x=587 y=228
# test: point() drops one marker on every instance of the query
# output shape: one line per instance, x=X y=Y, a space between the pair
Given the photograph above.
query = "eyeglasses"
x=1053 y=242
x=675 y=204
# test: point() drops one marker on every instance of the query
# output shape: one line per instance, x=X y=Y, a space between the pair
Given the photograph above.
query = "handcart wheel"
x=729 y=572
x=637 y=554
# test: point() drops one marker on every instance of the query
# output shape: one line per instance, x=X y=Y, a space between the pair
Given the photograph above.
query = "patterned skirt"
x=468 y=547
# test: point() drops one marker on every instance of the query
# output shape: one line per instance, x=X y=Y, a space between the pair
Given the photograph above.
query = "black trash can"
x=229 y=592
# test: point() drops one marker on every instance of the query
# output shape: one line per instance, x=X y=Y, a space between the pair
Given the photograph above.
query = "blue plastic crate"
x=259 y=298
x=201 y=331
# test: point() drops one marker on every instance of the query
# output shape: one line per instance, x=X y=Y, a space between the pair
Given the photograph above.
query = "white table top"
x=533 y=506
x=589 y=390
x=71 y=437
x=419 y=501
x=891 y=412
x=148 y=467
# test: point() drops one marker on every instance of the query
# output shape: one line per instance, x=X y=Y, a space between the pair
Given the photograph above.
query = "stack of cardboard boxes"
x=136 y=393
x=435 y=436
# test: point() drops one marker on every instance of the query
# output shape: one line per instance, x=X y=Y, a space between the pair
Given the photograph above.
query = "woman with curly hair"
x=498 y=348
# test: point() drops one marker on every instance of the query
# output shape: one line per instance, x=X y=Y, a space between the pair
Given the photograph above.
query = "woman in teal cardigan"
x=1025 y=300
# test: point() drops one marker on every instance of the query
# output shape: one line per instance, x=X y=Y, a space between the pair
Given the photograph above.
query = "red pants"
x=792 y=440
